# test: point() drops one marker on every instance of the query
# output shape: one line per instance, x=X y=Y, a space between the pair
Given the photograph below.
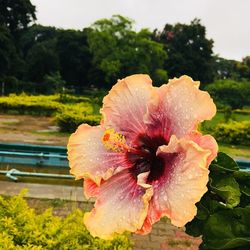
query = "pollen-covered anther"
x=114 y=141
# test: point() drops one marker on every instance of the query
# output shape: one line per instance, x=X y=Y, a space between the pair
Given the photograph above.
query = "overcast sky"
x=227 y=21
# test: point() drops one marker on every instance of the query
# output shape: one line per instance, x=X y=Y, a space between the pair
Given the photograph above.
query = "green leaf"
x=202 y=211
x=228 y=229
x=227 y=188
x=205 y=207
x=212 y=202
x=195 y=227
x=224 y=163
x=243 y=178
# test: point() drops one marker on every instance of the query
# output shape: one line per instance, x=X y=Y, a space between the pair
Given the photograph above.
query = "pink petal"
x=205 y=142
x=121 y=206
x=182 y=185
x=126 y=104
x=179 y=108
x=88 y=158
x=90 y=189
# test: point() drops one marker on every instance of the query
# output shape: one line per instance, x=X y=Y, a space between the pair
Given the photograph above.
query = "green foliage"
x=230 y=92
x=238 y=115
x=34 y=35
x=74 y=57
x=34 y=105
x=69 y=111
x=225 y=69
x=41 y=60
x=21 y=228
x=119 y=51
x=69 y=120
x=16 y=14
x=98 y=55
x=228 y=113
x=44 y=105
x=233 y=133
x=54 y=83
x=242 y=111
x=160 y=76
x=189 y=51
x=10 y=61
x=223 y=216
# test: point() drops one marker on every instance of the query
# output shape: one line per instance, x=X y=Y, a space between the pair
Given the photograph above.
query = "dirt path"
x=30 y=129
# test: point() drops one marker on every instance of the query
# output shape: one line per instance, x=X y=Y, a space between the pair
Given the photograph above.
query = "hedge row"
x=22 y=229
x=233 y=133
x=70 y=111
x=43 y=105
x=69 y=121
x=34 y=105
x=242 y=111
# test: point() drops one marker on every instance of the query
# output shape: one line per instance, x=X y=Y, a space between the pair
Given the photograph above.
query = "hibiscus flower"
x=146 y=159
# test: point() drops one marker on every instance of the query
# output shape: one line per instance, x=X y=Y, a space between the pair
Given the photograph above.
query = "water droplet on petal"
x=165 y=198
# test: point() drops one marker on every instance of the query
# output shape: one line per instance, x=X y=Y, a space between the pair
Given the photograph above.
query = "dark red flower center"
x=144 y=158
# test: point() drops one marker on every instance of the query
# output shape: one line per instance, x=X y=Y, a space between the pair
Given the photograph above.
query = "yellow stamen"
x=114 y=141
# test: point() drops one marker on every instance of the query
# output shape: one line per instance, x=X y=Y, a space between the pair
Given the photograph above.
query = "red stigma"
x=106 y=137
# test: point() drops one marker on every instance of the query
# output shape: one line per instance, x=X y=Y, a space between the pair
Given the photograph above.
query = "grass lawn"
x=235 y=150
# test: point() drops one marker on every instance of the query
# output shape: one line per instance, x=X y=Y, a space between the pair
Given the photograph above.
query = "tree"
x=189 y=51
x=42 y=60
x=54 y=84
x=16 y=14
x=10 y=62
x=244 y=68
x=74 y=57
x=224 y=68
x=119 y=51
x=36 y=34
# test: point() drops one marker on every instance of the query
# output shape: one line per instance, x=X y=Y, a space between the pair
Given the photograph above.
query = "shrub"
x=70 y=111
x=70 y=120
x=233 y=132
x=34 y=105
x=229 y=92
x=43 y=105
x=21 y=228
x=242 y=111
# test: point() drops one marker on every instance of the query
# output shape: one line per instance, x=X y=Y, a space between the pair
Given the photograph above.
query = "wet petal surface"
x=89 y=158
x=90 y=188
x=205 y=142
x=182 y=184
x=126 y=104
x=122 y=205
x=179 y=108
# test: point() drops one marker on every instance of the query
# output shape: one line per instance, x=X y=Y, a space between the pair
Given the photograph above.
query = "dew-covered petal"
x=182 y=184
x=122 y=205
x=205 y=142
x=179 y=108
x=90 y=188
x=88 y=157
x=126 y=104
